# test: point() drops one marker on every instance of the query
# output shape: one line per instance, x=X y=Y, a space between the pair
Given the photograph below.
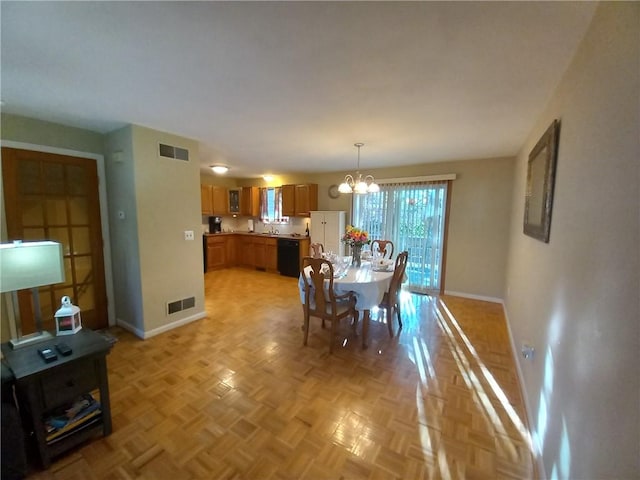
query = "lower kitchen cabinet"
x=259 y=244
x=252 y=251
x=232 y=248
x=216 y=252
x=245 y=251
x=271 y=254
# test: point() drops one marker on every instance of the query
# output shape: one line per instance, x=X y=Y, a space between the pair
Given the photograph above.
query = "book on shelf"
x=81 y=411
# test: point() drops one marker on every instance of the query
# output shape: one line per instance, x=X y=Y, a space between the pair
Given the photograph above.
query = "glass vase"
x=356 y=253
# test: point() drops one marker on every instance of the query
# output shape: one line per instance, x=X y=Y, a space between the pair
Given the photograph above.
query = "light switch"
x=188 y=235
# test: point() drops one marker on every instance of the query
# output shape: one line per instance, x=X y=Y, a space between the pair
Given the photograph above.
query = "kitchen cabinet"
x=219 y=202
x=206 y=205
x=327 y=227
x=250 y=203
x=213 y=200
x=259 y=252
x=288 y=200
x=234 y=201
x=271 y=254
x=245 y=251
x=232 y=242
x=216 y=252
x=306 y=198
x=299 y=200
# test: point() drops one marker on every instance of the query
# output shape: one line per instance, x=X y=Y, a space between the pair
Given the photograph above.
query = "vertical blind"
x=412 y=215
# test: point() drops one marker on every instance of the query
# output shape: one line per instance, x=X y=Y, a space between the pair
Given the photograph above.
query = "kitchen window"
x=271 y=206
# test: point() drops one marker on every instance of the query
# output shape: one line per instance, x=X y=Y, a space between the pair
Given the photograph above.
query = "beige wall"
x=38 y=132
x=161 y=200
x=576 y=299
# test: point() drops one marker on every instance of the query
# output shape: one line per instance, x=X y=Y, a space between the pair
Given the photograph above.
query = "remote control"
x=47 y=354
x=64 y=349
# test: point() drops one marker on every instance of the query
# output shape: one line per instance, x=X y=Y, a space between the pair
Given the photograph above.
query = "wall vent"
x=174 y=307
x=179 y=305
x=169 y=151
x=188 y=302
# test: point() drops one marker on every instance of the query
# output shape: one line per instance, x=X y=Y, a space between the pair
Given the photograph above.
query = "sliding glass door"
x=413 y=216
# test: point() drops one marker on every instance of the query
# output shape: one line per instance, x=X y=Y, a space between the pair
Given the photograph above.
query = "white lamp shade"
x=360 y=188
x=220 y=169
x=344 y=188
x=30 y=264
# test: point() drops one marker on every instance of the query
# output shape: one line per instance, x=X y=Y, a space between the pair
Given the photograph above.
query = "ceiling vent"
x=169 y=151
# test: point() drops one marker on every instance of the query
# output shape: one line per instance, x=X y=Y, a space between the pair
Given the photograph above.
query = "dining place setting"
x=336 y=287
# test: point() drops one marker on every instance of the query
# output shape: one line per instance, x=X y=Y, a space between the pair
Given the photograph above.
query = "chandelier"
x=358 y=184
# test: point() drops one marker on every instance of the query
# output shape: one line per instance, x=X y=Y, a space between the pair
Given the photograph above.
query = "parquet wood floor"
x=237 y=396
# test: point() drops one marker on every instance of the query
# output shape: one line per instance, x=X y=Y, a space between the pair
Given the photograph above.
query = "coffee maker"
x=215 y=224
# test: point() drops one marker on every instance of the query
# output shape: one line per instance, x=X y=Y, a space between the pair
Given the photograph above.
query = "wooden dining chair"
x=316 y=250
x=391 y=298
x=320 y=299
x=385 y=247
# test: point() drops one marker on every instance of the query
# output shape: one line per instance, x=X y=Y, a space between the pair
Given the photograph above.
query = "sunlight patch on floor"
x=498 y=392
x=480 y=397
x=420 y=356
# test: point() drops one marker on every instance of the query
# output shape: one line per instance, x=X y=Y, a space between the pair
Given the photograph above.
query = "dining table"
x=369 y=286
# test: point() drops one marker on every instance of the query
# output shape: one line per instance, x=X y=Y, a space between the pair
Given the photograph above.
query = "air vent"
x=188 y=303
x=169 y=151
x=179 y=305
x=174 y=307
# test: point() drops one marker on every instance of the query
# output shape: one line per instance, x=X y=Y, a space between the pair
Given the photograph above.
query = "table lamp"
x=29 y=265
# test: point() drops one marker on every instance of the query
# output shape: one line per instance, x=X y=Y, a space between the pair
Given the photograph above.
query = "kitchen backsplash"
x=240 y=224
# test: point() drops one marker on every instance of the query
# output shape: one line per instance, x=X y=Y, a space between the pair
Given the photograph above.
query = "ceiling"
x=270 y=87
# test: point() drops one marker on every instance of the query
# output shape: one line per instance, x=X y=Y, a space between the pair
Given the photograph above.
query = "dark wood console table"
x=41 y=387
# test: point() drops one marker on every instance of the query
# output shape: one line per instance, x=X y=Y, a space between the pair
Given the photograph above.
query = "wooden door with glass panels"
x=55 y=197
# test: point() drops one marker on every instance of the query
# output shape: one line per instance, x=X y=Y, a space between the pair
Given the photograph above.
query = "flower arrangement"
x=355 y=236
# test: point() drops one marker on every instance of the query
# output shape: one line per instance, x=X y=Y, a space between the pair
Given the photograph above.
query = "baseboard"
x=541 y=475
x=474 y=297
x=130 y=328
x=164 y=328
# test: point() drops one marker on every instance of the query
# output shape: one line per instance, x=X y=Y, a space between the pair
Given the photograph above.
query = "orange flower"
x=355 y=236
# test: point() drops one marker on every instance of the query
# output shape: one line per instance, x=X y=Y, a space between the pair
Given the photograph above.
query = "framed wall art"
x=541 y=172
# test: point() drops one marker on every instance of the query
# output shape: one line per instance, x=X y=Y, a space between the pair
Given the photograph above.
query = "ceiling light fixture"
x=267 y=177
x=358 y=184
x=219 y=169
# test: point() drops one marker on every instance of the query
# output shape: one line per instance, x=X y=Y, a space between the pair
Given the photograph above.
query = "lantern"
x=68 y=319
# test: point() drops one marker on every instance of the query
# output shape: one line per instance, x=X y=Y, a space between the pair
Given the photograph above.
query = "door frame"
x=104 y=211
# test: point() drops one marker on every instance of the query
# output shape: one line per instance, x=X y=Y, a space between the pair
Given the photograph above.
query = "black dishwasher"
x=288 y=257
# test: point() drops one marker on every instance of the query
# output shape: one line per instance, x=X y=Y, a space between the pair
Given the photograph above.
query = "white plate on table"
x=383 y=266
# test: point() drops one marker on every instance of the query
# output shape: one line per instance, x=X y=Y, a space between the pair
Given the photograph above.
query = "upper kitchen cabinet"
x=234 y=201
x=250 y=203
x=220 y=200
x=206 y=201
x=299 y=200
x=213 y=200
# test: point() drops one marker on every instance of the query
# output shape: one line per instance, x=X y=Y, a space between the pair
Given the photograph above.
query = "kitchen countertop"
x=293 y=236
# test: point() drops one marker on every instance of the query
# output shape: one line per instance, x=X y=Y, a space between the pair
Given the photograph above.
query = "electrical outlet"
x=528 y=351
x=188 y=235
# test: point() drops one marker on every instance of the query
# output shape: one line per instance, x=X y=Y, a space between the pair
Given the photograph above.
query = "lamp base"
x=30 y=339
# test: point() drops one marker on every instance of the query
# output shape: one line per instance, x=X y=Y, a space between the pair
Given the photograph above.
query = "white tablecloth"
x=368 y=285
